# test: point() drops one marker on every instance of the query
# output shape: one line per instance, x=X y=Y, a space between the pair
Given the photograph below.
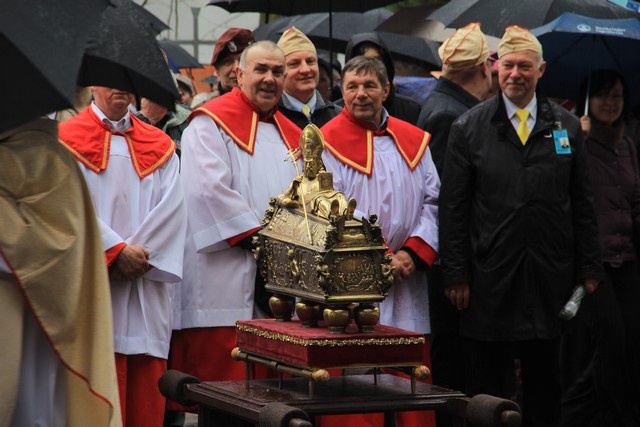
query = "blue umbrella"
x=575 y=45
x=495 y=15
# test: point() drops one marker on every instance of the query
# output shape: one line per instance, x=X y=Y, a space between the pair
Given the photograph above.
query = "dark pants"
x=445 y=342
x=598 y=359
x=626 y=286
x=490 y=369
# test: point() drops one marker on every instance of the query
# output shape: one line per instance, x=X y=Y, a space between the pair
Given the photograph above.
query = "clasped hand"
x=131 y=263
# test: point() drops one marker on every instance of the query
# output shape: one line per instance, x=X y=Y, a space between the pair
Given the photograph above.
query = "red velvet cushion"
x=315 y=348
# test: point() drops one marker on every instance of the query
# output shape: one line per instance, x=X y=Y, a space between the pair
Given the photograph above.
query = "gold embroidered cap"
x=465 y=48
x=294 y=40
x=517 y=39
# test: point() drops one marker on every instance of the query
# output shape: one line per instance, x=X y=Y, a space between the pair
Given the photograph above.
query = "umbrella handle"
x=330 y=44
x=586 y=99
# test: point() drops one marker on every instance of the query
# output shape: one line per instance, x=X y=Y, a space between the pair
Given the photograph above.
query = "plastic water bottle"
x=571 y=307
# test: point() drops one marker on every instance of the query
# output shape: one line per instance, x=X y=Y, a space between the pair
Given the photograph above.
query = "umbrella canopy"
x=148 y=18
x=403 y=47
x=345 y=24
x=495 y=15
x=274 y=29
x=575 y=45
x=412 y=49
x=299 y=7
x=42 y=43
x=178 y=57
x=413 y=21
x=124 y=55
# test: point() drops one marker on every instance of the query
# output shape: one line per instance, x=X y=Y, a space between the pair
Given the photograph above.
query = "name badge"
x=561 y=140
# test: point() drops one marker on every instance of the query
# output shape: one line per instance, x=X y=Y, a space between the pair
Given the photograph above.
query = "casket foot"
x=366 y=317
x=337 y=319
x=282 y=307
x=309 y=313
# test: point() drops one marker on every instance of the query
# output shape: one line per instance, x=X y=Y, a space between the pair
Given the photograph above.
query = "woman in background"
x=601 y=359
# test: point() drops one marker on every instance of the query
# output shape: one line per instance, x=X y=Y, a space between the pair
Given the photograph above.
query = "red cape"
x=351 y=141
x=238 y=117
x=89 y=140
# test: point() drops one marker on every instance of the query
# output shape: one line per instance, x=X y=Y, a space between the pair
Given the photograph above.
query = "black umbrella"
x=495 y=15
x=155 y=24
x=345 y=24
x=301 y=7
x=412 y=49
x=41 y=43
x=178 y=57
x=274 y=29
x=413 y=21
x=125 y=55
x=402 y=46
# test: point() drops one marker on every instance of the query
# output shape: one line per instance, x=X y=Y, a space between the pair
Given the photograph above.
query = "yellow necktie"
x=306 y=110
x=523 y=128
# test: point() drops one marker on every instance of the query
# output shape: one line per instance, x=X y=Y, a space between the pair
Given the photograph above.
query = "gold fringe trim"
x=332 y=342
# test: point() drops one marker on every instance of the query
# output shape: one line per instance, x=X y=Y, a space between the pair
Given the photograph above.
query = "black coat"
x=323 y=112
x=516 y=222
x=447 y=102
x=616 y=186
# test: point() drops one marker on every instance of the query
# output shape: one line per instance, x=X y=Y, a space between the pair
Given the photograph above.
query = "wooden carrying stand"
x=310 y=353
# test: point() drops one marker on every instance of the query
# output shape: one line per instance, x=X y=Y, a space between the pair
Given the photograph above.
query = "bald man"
x=232 y=163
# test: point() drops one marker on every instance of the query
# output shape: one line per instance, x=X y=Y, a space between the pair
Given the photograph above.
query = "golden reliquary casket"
x=311 y=247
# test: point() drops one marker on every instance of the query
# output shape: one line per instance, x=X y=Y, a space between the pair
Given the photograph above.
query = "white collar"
x=295 y=104
x=119 y=125
x=531 y=107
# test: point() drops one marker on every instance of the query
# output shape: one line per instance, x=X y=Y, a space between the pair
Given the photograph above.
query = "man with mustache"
x=233 y=162
x=301 y=102
x=385 y=164
x=518 y=231
x=132 y=172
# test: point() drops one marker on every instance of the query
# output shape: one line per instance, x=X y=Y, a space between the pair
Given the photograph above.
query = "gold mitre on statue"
x=312 y=142
x=313 y=190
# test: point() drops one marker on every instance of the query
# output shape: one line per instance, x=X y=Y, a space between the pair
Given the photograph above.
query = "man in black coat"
x=301 y=102
x=465 y=80
x=517 y=229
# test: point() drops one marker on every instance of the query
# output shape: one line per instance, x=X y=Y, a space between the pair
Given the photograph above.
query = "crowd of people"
x=495 y=206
